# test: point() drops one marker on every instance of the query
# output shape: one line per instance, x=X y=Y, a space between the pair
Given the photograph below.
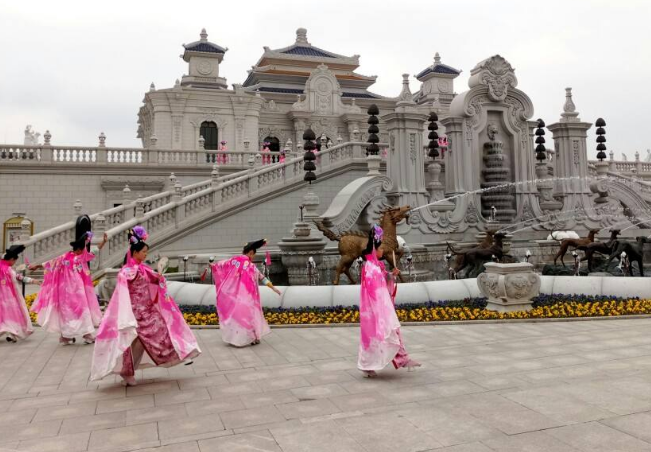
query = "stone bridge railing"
x=636 y=168
x=101 y=155
x=166 y=214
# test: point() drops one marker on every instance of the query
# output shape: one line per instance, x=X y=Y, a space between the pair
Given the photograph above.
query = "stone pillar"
x=140 y=207
x=454 y=156
x=405 y=159
x=570 y=136
x=214 y=176
x=99 y=228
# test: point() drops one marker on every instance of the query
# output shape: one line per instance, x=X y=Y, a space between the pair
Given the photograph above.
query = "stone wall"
x=47 y=198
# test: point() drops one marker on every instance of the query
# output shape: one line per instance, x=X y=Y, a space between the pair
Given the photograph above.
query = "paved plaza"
x=553 y=386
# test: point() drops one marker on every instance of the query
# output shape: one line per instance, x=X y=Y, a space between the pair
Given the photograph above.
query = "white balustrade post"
x=180 y=206
x=140 y=207
x=46 y=150
x=77 y=208
x=99 y=228
x=25 y=235
x=613 y=165
x=152 y=152
x=638 y=163
x=214 y=176
x=126 y=200
x=171 y=182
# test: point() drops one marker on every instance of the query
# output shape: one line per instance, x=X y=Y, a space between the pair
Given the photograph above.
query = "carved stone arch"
x=273 y=131
x=629 y=197
x=326 y=126
x=351 y=201
x=323 y=95
x=219 y=120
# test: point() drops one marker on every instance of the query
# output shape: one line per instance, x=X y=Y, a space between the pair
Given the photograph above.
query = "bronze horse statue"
x=353 y=243
x=600 y=247
x=476 y=257
x=634 y=251
x=579 y=244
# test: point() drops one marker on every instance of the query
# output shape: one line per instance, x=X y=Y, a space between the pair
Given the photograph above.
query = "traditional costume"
x=14 y=317
x=241 y=319
x=381 y=341
x=142 y=326
x=66 y=303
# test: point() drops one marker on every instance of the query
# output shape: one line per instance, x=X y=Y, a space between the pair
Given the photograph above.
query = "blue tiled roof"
x=307 y=51
x=360 y=95
x=271 y=89
x=439 y=69
x=205 y=47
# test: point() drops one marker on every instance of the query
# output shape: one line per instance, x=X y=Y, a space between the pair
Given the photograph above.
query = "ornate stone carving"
x=575 y=151
x=496 y=73
x=472 y=214
x=323 y=94
x=509 y=287
x=412 y=147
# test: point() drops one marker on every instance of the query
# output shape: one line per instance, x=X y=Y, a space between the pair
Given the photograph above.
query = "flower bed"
x=544 y=306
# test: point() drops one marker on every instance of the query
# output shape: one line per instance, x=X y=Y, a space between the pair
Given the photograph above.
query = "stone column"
x=405 y=159
x=570 y=136
x=454 y=156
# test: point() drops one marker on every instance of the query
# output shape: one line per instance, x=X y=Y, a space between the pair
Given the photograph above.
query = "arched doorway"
x=274 y=146
x=210 y=134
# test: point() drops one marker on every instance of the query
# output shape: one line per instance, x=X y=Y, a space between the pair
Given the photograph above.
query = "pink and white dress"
x=142 y=326
x=66 y=303
x=241 y=319
x=14 y=317
x=381 y=342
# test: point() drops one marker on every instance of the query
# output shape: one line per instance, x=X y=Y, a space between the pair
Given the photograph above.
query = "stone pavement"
x=561 y=386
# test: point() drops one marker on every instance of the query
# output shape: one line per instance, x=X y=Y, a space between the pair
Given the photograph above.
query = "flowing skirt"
x=153 y=335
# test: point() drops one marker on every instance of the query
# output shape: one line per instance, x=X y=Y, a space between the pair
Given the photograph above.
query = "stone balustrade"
x=165 y=214
x=61 y=155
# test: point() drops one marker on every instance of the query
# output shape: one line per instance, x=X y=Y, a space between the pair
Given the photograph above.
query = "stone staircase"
x=169 y=214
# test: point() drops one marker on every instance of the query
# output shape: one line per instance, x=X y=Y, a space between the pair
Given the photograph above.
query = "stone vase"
x=509 y=287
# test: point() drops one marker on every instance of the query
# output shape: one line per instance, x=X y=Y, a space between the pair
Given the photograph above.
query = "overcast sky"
x=78 y=68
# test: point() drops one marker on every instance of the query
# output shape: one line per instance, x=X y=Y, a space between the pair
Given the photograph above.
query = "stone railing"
x=61 y=155
x=166 y=214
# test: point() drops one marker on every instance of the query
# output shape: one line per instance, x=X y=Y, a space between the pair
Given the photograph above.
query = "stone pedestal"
x=509 y=287
x=297 y=249
x=545 y=186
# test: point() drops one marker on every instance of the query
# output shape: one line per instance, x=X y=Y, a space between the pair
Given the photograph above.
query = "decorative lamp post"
x=373 y=130
x=372 y=150
x=541 y=153
x=309 y=167
x=433 y=145
x=601 y=139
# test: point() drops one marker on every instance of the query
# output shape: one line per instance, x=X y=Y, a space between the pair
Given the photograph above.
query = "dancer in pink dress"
x=14 y=317
x=381 y=341
x=67 y=303
x=142 y=326
x=241 y=319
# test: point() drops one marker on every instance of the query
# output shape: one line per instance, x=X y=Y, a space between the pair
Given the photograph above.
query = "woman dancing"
x=381 y=341
x=142 y=326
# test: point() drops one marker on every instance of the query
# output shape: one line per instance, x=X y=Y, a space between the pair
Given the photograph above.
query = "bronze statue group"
x=142 y=326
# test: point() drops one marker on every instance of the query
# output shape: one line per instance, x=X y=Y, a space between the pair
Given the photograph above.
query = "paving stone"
x=268 y=398
x=189 y=427
x=30 y=431
x=594 y=436
x=191 y=446
x=319 y=392
x=317 y=437
x=92 y=423
x=637 y=425
x=147 y=415
x=77 y=442
x=65 y=411
x=259 y=442
x=254 y=416
x=527 y=442
x=214 y=406
x=174 y=397
x=307 y=408
x=133 y=437
x=125 y=404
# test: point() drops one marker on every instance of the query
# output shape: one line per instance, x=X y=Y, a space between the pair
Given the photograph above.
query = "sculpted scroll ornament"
x=472 y=214
x=522 y=286
x=489 y=284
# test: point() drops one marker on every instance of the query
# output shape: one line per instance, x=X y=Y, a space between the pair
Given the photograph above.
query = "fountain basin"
x=509 y=287
x=188 y=294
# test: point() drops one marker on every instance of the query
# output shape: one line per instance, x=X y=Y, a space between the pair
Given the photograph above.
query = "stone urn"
x=509 y=287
